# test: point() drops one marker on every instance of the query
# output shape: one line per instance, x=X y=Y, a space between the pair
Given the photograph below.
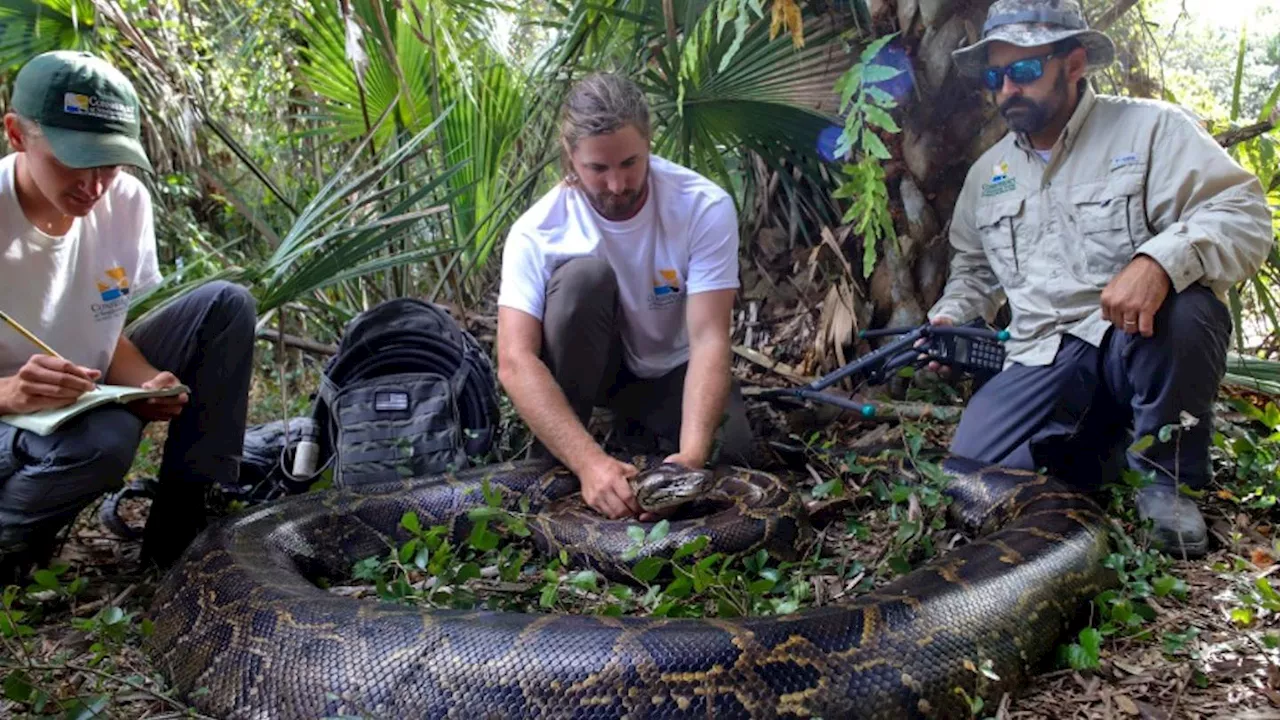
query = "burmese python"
x=242 y=633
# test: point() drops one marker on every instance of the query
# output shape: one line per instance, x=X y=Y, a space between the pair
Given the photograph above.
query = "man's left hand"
x=1132 y=298
x=162 y=409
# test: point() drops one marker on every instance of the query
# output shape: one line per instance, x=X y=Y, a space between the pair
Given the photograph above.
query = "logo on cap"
x=94 y=106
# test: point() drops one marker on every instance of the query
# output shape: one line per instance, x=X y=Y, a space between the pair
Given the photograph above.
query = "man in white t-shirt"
x=617 y=288
x=76 y=246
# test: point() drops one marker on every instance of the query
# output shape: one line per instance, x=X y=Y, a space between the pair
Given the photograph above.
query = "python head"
x=666 y=487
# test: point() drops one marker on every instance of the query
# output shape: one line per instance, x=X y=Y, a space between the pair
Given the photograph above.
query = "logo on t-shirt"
x=666 y=289
x=114 y=293
x=117 y=285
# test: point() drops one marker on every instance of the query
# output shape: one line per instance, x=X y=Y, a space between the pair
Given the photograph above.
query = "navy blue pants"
x=205 y=338
x=1071 y=416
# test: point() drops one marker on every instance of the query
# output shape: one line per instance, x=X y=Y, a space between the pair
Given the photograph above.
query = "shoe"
x=1177 y=527
x=17 y=563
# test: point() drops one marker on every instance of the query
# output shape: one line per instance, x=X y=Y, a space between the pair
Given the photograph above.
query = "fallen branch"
x=769 y=363
x=300 y=343
x=1238 y=135
x=881 y=409
x=915 y=411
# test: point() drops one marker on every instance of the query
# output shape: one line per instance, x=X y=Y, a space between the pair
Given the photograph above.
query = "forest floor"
x=1181 y=638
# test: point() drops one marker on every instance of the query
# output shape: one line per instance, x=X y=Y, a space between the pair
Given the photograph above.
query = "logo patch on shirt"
x=670 y=283
x=114 y=294
x=1120 y=161
x=666 y=289
x=117 y=285
x=1000 y=183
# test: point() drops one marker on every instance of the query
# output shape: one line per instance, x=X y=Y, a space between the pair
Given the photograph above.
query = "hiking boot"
x=1177 y=527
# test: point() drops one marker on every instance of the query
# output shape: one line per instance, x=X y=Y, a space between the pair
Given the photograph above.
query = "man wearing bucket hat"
x=76 y=247
x=1113 y=227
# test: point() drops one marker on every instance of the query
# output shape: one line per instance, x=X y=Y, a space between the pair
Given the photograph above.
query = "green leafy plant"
x=866 y=109
x=1253 y=457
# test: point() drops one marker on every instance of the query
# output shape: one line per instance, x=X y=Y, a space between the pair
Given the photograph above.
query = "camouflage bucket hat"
x=1028 y=23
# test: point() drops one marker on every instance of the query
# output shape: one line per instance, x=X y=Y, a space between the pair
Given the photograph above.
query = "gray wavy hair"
x=599 y=104
x=30 y=128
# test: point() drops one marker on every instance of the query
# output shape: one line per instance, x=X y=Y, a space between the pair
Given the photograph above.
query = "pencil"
x=29 y=335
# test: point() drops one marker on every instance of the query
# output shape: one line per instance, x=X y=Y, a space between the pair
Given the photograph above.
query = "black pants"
x=204 y=338
x=582 y=348
x=1069 y=416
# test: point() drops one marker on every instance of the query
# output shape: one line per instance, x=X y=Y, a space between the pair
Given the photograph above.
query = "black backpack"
x=409 y=393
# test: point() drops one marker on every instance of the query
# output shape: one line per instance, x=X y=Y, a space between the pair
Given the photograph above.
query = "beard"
x=619 y=206
x=1024 y=115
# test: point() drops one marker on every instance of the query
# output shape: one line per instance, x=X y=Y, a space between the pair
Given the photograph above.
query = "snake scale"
x=241 y=631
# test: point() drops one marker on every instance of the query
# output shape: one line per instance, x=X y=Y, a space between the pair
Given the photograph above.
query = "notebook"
x=44 y=422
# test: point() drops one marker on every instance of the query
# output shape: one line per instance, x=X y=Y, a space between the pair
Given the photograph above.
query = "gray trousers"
x=204 y=338
x=1074 y=417
x=582 y=348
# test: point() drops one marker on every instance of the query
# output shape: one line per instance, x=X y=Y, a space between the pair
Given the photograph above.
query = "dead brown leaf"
x=1151 y=712
x=1126 y=705
x=1272 y=695
x=1131 y=668
x=1261 y=558
x=837 y=325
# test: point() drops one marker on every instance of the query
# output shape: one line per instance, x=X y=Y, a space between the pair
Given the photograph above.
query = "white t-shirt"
x=683 y=241
x=73 y=291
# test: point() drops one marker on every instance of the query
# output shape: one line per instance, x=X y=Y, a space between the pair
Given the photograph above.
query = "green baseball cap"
x=86 y=109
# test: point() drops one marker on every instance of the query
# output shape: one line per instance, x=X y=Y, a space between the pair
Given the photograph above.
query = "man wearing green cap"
x=76 y=245
x=1113 y=227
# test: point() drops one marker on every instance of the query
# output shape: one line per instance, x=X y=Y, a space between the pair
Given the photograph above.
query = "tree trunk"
x=946 y=124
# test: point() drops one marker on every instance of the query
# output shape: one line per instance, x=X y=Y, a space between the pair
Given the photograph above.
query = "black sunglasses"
x=1021 y=72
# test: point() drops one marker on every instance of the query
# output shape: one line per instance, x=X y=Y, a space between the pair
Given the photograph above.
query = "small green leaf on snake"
x=484 y=512
x=693 y=546
x=659 y=531
x=409 y=521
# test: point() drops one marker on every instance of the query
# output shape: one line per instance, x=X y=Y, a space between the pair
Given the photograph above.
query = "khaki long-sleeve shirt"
x=1127 y=177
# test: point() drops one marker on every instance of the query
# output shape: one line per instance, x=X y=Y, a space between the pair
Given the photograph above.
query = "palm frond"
x=719 y=97
x=353 y=218
x=31 y=27
x=1253 y=373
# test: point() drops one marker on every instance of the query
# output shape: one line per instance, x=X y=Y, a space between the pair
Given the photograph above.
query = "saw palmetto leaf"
x=353 y=218
x=31 y=27
x=769 y=98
